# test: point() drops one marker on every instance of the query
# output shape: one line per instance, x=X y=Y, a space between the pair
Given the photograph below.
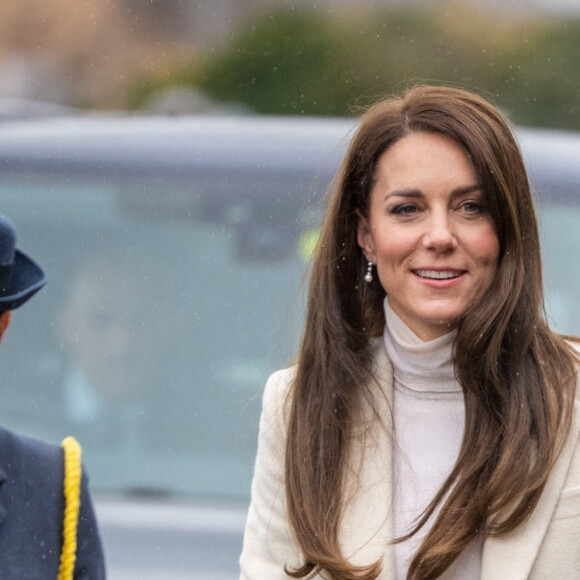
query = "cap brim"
x=27 y=279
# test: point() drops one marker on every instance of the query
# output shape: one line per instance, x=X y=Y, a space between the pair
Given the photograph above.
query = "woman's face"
x=429 y=232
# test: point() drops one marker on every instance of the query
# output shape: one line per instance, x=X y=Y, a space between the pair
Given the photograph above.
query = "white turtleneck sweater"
x=429 y=419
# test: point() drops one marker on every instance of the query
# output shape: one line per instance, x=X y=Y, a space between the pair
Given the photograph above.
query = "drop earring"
x=368 y=277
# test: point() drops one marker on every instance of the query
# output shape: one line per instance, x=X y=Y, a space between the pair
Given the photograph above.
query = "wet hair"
x=517 y=376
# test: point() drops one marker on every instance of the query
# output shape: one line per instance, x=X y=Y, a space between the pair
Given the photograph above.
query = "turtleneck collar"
x=420 y=366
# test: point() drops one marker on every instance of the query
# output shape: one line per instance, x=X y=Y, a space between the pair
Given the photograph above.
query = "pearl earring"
x=368 y=277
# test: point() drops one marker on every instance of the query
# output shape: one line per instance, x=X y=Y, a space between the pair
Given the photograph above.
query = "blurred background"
x=177 y=231
x=301 y=57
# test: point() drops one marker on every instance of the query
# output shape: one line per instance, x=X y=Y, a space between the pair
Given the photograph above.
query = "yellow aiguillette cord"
x=72 y=504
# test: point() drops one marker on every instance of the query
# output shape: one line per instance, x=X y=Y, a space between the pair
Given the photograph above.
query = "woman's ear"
x=365 y=239
x=4 y=323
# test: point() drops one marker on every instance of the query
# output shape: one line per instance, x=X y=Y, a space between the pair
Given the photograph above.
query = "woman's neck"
x=419 y=365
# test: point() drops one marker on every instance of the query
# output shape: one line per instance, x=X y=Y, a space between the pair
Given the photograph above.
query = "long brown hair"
x=517 y=376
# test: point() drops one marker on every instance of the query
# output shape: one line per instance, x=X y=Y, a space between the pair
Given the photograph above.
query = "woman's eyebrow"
x=414 y=193
x=407 y=193
x=466 y=189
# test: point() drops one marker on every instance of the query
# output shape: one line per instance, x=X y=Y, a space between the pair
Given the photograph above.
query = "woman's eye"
x=404 y=209
x=473 y=207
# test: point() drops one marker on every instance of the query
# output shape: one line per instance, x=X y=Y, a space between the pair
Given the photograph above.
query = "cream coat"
x=545 y=547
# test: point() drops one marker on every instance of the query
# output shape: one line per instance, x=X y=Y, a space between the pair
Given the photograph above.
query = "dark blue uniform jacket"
x=31 y=514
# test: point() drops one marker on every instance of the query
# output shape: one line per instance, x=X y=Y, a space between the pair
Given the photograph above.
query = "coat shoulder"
x=32 y=512
x=29 y=458
x=275 y=401
x=280 y=382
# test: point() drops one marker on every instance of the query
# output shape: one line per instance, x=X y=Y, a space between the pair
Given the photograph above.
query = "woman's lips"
x=439 y=278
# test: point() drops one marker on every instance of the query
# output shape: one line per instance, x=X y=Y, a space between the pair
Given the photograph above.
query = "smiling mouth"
x=438 y=274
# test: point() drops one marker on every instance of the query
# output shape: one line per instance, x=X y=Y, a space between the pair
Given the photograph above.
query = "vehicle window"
x=167 y=307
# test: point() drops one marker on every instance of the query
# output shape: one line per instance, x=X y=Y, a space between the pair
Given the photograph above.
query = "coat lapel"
x=512 y=555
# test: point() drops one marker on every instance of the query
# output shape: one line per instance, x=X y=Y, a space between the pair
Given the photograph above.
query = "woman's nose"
x=439 y=234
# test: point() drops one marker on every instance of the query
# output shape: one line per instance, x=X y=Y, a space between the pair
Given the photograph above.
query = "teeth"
x=438 y=275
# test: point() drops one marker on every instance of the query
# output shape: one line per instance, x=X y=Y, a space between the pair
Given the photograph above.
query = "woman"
x=429 y=429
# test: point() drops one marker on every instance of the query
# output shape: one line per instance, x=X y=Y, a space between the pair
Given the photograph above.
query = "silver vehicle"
x=176 y=251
